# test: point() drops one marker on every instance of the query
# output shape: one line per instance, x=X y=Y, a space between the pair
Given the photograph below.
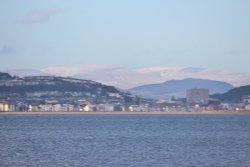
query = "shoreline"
x=124 y=113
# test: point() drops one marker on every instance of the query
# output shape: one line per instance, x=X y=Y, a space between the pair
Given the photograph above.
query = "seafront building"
x=159 y=107
x=197 y=96
x=4 y=106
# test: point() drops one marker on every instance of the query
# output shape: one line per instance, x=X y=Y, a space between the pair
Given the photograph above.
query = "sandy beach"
x=150 y=113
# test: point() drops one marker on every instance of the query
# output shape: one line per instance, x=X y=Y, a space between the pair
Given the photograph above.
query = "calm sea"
x=125 y=140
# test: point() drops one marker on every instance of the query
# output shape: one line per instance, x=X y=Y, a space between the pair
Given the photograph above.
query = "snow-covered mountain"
x=127 y=78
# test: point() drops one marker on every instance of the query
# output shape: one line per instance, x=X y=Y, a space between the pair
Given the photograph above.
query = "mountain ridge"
x=178 y=88
x=233 y=95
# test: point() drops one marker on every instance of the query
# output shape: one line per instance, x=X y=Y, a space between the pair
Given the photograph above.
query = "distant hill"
x=60 y=88
x=178 y=88
x=5 y=76
x=233 y=95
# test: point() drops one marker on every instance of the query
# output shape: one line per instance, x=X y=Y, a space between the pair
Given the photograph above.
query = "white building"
x=4 y=107
x=247 y=107
x=106 y=107
x=246 y=99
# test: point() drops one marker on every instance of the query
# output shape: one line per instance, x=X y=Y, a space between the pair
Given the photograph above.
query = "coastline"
x=124 y=113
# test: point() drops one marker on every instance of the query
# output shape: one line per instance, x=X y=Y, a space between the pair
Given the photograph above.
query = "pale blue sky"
x=212 y=34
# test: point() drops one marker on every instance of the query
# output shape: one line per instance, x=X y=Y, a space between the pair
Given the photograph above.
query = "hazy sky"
x=212 y=34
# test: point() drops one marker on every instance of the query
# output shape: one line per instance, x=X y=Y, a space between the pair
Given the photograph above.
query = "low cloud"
x=4 y=50
x=40 y=15
x=193 y=69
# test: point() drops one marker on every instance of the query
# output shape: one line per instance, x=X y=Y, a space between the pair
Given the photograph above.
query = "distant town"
x=60 y=94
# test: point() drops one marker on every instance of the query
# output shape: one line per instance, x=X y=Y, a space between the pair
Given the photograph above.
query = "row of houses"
x=57 y=107
x=5 y=107
x=197 y=100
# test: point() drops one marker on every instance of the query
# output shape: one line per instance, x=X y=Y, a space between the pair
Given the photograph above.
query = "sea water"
x=125 y=140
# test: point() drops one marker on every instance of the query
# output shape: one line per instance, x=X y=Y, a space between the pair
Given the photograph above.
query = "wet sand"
x=157 y=112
